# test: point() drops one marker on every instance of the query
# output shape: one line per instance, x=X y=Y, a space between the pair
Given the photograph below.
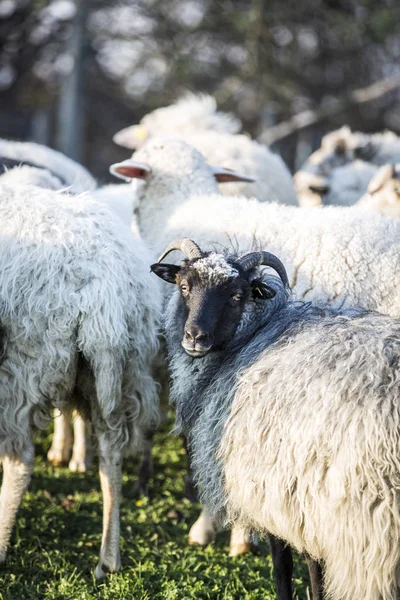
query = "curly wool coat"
x=74 y=285
x=294 y=430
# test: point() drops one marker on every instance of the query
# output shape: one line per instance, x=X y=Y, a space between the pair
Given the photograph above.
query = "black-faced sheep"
x=292 y=414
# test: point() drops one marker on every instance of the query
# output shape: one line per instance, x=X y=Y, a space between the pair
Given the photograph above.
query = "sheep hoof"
x=239 y=549
x=103 y=570
x=79 y=465
x=242 y=542
x=58 y=456
x=200 y=535
x=3 y=554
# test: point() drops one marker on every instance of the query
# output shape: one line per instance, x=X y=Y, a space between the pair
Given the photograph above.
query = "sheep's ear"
x=384 y=175
x=130 y=169
x=319 y=184
x=131 y=137
x=225 y=175
x=262 y=291
x=165 y=271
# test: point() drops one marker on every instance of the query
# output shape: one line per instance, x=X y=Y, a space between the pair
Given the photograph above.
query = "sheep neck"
x=163 y=195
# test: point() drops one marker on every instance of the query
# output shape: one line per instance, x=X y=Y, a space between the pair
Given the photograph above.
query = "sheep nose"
x=194 y=335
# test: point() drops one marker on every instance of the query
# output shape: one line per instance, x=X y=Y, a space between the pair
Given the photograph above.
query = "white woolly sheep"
x=383 y=194
x=21 y=172
x=292 y=414
x=80 y=313
x=195 y=119
x=67 y=447
x=339 y=172
x=32 y=167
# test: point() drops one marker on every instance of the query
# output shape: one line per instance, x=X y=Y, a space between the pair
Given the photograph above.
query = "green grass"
x=56 y=541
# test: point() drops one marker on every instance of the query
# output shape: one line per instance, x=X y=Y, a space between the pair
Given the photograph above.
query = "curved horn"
x=185 y=245
x=255 y=259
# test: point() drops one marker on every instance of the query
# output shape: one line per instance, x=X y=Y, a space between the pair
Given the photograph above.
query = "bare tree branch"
x=308 y=118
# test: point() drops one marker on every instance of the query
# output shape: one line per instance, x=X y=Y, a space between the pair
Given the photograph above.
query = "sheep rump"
x=55 y=308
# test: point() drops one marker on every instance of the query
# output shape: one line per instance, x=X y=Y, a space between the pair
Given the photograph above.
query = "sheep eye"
x=184 y=289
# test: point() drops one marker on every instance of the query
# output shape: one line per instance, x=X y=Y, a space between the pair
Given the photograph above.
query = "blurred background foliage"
x=73 y=72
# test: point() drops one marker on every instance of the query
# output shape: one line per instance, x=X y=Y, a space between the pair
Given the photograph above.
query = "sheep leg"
x=81 y=456
x=240 y=543
x=190 y=489
x=16 y=477
x=283 y=567
x=204 y=530
x=60 y=450
x=110 y=478
x=316 y=578
x=146 y=466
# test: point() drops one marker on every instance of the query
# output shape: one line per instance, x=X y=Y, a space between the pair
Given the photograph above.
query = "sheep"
x=70 y=173
x=67 y=448
x=80 y=315
x=18 y=172
x=215 y=134
x=383 y=194
x=341 y=255
x=32 y=168
x=339 y=172
x=292 y=414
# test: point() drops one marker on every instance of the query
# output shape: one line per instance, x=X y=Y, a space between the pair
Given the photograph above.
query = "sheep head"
x=214 y=291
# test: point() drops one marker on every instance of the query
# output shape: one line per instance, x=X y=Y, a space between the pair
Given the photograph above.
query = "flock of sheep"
x=287 y=387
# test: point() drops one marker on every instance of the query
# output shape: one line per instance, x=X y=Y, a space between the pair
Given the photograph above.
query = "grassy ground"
x=55 y=544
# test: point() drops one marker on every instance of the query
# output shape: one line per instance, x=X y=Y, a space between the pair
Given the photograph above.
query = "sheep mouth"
x=196 y=352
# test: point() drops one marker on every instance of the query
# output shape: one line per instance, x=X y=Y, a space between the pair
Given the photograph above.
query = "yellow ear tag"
x=259 y=291
x=141 y=133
